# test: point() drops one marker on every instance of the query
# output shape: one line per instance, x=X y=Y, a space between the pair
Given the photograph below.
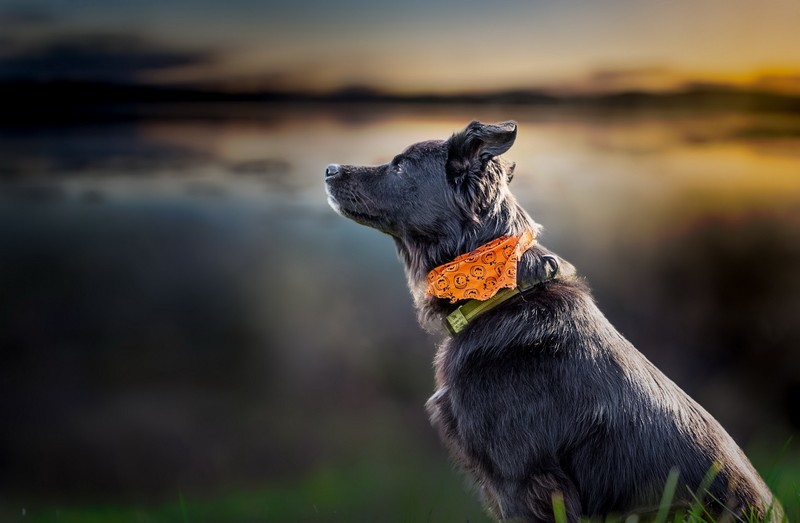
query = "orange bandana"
x=479 y=274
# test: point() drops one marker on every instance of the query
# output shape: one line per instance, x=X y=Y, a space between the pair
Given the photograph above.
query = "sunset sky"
x=407 y=46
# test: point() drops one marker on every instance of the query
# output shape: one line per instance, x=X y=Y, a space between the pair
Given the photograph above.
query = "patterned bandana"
x=479 y=274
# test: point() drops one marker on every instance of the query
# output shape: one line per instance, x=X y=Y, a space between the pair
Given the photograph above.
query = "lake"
x=183 y=316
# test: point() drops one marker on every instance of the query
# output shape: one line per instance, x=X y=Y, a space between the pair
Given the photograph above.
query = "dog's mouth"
x=364 y=218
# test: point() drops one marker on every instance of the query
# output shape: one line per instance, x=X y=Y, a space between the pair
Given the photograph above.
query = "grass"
x=559 y=510
x=697 y=512
x=362 y=492
x=667 y=496
x=397 y=490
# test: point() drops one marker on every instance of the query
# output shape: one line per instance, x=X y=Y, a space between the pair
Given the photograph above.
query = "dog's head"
x=433 y=192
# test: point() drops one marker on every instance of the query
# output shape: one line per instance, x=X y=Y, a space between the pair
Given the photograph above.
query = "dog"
x=538 y=397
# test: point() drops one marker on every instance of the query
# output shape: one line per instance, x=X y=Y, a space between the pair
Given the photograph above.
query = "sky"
x=413 y=46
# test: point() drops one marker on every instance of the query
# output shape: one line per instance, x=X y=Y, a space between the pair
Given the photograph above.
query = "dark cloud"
x=15 y=16
x=626 y=74
x=94 y=57
x=788 y=82
x=644 y=78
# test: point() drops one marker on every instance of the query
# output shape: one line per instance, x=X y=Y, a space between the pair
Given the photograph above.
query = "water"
x=181 y=311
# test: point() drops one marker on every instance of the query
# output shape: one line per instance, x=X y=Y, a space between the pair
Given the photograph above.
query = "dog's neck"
x=420 y=256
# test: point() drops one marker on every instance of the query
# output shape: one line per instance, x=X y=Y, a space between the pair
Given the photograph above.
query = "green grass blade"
x=698 y=507
x=183 y=507
x=559 y=510
x=667 y=496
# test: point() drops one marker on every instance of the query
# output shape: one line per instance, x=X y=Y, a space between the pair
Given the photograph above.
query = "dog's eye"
x=398 y=165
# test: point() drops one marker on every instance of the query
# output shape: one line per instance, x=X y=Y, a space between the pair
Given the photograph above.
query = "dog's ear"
x=470 y=150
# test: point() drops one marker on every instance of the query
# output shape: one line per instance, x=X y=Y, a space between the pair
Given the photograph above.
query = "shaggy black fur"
x=540 y=395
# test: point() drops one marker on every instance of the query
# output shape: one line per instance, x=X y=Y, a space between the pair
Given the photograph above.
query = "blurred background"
x=189 y=333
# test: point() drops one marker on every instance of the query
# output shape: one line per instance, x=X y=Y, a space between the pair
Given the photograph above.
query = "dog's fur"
x=541 y=395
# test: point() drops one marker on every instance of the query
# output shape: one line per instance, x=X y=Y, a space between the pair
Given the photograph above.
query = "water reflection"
x=182 y=311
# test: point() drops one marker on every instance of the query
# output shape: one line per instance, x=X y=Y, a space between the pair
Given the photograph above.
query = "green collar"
x=457 y=320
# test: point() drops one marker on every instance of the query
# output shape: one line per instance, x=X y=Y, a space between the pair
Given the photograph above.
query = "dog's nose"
x=333 y=170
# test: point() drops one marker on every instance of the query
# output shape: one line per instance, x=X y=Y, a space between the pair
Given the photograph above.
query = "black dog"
x=537 y=394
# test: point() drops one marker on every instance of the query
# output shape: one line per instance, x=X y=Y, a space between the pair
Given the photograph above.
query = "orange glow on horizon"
x=446 y=49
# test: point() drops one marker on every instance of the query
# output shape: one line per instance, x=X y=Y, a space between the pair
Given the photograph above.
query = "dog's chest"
x=442 y=416
x=440 y=406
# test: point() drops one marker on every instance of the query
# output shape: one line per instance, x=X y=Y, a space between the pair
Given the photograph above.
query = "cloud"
x=785 y=82
x=94 y=57
x=15 y=16
x=647 y=78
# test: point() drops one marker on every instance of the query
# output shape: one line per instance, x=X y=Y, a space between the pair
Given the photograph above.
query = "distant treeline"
x=65 y=100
